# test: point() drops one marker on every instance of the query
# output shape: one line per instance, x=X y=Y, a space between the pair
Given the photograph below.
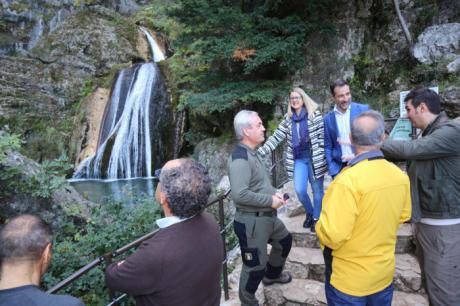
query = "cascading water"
x=136 y=125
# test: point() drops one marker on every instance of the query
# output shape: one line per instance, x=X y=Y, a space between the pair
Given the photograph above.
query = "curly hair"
x=187 y=188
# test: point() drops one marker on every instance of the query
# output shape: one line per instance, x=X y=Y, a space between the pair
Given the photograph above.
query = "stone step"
x=307 y=292
x=302 y=237
x=308 y=263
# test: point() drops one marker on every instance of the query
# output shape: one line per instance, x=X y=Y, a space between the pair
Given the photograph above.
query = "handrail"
x=107 y=258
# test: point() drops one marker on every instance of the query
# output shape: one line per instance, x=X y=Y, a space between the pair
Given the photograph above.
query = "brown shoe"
x=284 y=278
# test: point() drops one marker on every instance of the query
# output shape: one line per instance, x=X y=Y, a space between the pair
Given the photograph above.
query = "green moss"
x=107 y=80
x=6 y=38
x=85 y=2
x=19 y=7
x=125 y=28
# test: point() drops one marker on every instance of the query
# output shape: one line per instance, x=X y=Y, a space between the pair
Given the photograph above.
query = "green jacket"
x=434 y=169
x=249 y=180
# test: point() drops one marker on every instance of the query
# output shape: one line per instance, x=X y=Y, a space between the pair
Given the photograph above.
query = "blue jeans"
x=338 y=298
x=303 y=173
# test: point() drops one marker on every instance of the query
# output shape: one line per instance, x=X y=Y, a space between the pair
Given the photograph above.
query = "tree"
x=233 y=54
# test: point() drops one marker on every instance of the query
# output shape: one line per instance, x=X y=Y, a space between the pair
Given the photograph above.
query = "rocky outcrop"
x=213 y=154
x=86 y=136
x=450 y=101
x=87 y=45
x=369 y=48
x=38 y=88
x=439 y=43
x=64 y=201
x=25 y=22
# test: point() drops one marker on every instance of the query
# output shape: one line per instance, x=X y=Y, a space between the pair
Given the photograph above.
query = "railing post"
x=108 y=260
x=274 y=178
x=223 y=232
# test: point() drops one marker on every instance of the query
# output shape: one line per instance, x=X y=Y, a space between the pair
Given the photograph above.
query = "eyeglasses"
x=294 y=98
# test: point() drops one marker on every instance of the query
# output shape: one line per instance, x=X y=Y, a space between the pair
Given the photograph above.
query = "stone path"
x=306 y=263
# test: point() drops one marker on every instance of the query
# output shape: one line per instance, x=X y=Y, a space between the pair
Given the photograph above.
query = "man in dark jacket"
x=434 y=171
x=182 y=263
x=25 y=254
x=337 y=124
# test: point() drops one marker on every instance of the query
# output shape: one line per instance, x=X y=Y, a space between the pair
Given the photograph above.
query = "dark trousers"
x=254 y=233
x=337 y=298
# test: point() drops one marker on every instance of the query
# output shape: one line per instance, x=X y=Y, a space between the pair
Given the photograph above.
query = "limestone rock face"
x=39 y=87
x=65 y=200
x=369 y=48
x=25 y=22
x=86 y=45
x=450 y=101
x=213 y=153
x=438 y=43
x=87 y=135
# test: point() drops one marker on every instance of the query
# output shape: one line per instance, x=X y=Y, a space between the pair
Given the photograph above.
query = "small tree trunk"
x=403 y=23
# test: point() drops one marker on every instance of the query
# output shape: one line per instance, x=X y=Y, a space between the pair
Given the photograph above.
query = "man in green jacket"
x=256 y=223
x=434 y=171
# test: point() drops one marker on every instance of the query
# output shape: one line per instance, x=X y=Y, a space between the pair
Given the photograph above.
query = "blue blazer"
x=331 y=133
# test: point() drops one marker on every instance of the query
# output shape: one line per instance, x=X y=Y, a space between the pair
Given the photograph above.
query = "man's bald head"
x=24 y=238
x=368 y=129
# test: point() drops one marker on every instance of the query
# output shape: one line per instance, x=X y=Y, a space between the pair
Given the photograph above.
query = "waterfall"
x=136 y=115
x=157 y=55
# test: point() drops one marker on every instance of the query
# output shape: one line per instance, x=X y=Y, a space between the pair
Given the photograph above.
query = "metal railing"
x=276 y=168
x=107 y=258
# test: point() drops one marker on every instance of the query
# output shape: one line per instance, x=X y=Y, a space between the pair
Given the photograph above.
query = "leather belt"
x=258 y=213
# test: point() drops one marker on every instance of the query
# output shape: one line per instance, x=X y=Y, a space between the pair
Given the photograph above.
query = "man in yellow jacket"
x=362 y=210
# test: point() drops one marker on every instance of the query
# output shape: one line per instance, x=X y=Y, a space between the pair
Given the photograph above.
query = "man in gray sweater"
x=434 y=172
x=256 y=223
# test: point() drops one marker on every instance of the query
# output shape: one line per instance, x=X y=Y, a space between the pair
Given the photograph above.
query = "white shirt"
x=168 y=221
x=343 y=124
x=440 y=222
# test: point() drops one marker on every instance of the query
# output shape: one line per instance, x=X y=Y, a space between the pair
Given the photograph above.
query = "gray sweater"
x=249 y=180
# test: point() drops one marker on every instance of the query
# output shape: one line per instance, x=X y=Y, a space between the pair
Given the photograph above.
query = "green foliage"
x=230 y=55
x=49 y=178
x=41 y=184
x=8 y=142
x=111 y=226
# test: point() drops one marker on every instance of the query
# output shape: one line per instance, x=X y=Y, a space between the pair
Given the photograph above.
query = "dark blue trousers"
x=338 y=298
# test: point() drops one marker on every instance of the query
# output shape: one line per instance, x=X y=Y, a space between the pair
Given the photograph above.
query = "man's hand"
x=277 y=200
x=341 y=141
x=349 y=157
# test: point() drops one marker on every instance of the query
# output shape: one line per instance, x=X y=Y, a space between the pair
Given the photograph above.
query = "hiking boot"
x=284 y=278
x=308 y=221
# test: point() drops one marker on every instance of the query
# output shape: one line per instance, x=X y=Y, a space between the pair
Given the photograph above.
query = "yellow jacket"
x=362 y=210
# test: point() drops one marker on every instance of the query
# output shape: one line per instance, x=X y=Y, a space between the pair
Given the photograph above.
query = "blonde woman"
x=302 y=127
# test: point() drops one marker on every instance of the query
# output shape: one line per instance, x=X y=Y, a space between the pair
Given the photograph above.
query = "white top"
x=439 y=222
x=343 y=124
x=168 y=221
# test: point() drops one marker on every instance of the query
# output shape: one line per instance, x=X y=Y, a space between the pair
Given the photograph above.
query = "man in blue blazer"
x=337 y=127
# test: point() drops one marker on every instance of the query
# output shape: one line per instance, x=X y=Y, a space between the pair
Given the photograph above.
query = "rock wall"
x=64 y=201
x=369 y=49
x=42 y=85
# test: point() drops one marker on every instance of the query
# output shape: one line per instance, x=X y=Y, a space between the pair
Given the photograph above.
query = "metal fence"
x=107 y=258
x=279 y=177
